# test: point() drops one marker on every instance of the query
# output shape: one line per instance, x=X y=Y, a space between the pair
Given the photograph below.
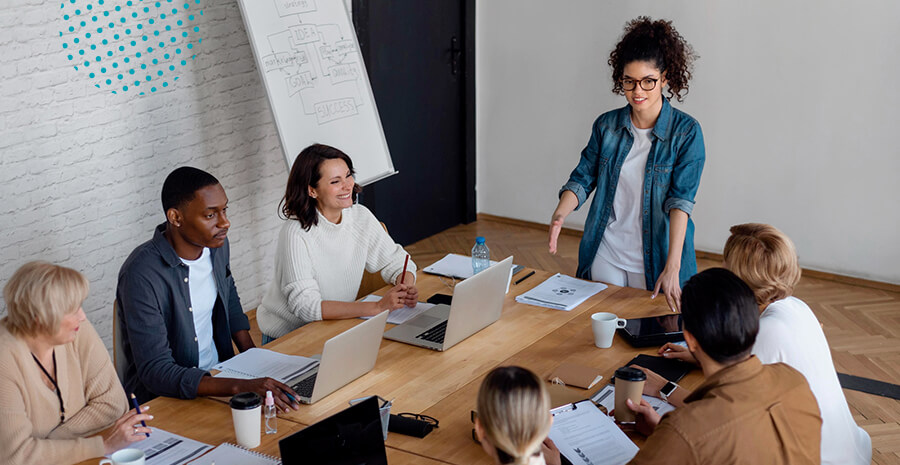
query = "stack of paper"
x=401 y=315
x=261 y=363
x=607 y=398
x=453 y=266
x=165 y=448
x=561 y=292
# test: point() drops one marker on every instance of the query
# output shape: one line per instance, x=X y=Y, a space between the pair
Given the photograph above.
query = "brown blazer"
x=748 y=413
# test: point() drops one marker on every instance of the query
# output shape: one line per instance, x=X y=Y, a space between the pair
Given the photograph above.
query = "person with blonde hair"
x=513 y=416
x=60 y=399
x=766 y=259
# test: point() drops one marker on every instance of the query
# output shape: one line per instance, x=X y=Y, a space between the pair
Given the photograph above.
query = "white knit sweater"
x=326 y=263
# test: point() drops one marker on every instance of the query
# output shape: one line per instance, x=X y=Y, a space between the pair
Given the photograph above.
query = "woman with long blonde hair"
x=513 y=416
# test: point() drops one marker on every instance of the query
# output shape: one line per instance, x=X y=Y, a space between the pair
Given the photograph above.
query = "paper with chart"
x=261 y=363
x=316 y=81
x=165 y=448
x=588 y=437
x=401 y=315
x=607 y=398
x=561 y=292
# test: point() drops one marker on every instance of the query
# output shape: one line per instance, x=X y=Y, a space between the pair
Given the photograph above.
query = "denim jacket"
x=671 y=179
x=153 y=302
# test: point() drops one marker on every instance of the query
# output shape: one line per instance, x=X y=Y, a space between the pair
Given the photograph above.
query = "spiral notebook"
x=230 y=454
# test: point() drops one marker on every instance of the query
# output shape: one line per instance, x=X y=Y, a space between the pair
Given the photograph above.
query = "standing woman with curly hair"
x=645 y=161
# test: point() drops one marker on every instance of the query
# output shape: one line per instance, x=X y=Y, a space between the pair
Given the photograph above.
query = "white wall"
x=81 y=169
x=798 y=101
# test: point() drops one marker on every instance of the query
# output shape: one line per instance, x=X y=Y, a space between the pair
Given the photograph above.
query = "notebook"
x=230 y=454
x=261 y=363
x=560 y=292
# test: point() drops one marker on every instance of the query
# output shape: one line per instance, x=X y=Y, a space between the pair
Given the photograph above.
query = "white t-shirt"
x=622 y=242
x=789 y=332
x=202 y=285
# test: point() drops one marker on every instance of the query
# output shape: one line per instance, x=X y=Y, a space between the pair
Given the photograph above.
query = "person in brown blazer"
x=744 y=412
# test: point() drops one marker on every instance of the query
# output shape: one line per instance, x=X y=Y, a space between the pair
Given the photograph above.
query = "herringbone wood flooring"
x=862 y=323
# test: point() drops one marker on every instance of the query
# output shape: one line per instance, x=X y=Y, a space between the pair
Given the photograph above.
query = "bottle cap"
x=479 y=240
x=269 y=399
x=630 y=374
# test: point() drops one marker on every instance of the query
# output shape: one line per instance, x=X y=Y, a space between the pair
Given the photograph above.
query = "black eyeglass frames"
x=646 y=83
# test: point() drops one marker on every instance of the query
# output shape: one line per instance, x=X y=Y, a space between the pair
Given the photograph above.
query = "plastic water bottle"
x=481 y=256
x=271 y=414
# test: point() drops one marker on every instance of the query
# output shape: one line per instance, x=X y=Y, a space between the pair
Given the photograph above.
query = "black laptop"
x=350 y=437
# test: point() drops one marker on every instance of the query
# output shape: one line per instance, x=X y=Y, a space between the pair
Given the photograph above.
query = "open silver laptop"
x=477 y=302
x=345 y=357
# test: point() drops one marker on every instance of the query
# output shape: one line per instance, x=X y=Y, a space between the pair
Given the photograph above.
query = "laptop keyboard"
x=435 y=334
x=305 y=387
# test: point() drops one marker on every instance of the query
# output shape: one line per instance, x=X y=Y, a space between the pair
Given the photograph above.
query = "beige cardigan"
x=30 y=431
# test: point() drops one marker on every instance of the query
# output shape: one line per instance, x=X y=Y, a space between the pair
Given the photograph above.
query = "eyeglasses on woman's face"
x=647 y=83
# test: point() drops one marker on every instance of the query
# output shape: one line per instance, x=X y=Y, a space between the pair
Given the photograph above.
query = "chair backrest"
x=118 y=348
x=371 y=282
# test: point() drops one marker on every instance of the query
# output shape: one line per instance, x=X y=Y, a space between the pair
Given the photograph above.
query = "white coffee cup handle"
x=106 y=462
x=621 y=322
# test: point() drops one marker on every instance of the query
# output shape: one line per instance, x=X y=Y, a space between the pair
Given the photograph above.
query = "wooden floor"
x=862 y=324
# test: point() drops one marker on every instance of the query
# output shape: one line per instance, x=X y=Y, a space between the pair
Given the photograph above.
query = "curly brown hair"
x=657 y=42
x=297 y=203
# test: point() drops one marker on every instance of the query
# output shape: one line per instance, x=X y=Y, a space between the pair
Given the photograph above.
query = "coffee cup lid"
x=245 y=401
x=630 y=374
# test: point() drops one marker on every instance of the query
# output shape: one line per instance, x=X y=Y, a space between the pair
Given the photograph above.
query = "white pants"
x=605 y=272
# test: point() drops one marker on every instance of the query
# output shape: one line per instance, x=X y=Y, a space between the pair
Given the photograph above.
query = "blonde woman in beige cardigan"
x=60 y=399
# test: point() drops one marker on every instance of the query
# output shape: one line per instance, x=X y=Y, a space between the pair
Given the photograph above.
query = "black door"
x=419 y=56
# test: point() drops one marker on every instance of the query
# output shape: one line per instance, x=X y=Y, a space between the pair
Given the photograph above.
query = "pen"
x=403 y=276
x=523 y=278
x=137 y=408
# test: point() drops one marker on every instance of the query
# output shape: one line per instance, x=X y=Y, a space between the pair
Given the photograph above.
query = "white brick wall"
x=81 y=169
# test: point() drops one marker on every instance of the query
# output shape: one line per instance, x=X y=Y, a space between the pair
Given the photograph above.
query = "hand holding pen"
x=129 y=428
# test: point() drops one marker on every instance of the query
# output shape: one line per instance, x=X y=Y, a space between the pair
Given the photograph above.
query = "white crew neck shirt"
x=202 y=285
x=790 y=333
x=622 y=241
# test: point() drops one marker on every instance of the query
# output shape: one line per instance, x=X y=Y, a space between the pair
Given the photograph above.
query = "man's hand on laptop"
x=282 y=393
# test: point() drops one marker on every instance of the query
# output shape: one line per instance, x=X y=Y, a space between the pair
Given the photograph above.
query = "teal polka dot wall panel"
x=131 y=45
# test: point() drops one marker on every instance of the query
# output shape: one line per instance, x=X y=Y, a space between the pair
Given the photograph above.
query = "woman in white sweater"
x=765 y=258
x=324 y=246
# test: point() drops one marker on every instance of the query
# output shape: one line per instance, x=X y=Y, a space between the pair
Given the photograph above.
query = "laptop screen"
x=350 y=437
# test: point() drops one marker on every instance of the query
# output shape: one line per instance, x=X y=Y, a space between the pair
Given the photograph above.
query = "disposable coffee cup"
x=629 y=385
x=125 y=457
x=604 y=326
x=246 y=412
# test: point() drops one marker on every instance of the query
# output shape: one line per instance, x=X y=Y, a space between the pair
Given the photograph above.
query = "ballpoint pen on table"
x=523 y=278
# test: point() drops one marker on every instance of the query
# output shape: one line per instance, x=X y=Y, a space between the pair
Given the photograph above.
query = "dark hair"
x=720 y=311
x=297 y=204
x=181 y=185
x=656 y=42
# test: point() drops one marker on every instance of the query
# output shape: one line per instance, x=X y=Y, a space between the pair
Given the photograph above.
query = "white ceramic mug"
x=125 y=457
x=604 y=326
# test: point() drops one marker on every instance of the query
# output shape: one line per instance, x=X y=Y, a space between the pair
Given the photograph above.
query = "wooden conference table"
x=442 y=385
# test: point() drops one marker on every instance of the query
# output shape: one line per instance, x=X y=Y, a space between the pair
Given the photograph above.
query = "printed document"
x=261 y=363
x=561 y=292
x=586 y=436
x=165 y=448
x=401 y=315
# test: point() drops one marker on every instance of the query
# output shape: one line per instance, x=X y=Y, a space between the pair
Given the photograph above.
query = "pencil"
x=525 y=277
x=137 y=408
x=405 y=264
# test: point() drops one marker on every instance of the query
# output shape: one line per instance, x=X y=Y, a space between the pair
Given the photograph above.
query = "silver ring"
x=135 y=431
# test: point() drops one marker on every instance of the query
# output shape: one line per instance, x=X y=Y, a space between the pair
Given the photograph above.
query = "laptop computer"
x=350 y=437
x=477 y=302
x=345 y=357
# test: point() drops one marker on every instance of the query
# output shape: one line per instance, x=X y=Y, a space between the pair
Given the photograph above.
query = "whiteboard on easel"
x=309 y=60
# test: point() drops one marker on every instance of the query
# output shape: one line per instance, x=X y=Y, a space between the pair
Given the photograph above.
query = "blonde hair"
x=39 y=295
x=765 y=258
x=514 y=412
